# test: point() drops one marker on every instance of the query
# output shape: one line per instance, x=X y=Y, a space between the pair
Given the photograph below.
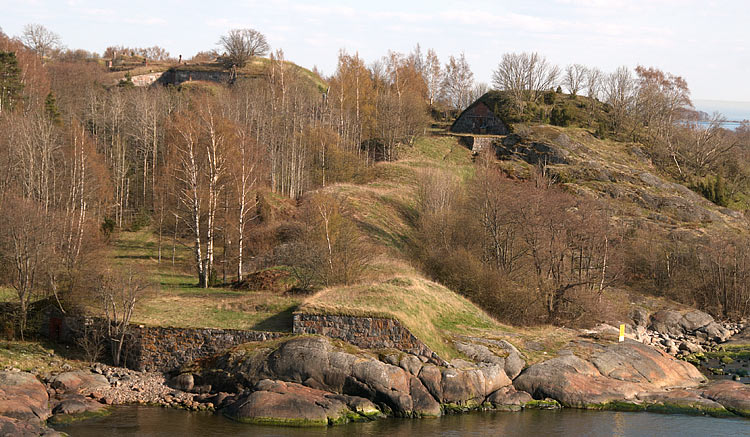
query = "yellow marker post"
x=622 y=332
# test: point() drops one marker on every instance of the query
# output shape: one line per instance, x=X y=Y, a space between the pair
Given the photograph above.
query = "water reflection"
x=158 y=422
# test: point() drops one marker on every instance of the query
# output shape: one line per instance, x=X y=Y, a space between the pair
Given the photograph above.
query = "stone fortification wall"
x=364 y=332
x=146 y=79
x=177 y=77
x=157 y=348
x=165 y=349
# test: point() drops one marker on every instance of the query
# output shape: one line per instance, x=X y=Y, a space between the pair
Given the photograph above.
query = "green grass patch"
x=430 y=311
x=177 y=301
x=34 y=357
x=8 y=294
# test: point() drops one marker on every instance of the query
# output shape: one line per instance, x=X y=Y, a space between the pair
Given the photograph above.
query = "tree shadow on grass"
x=280 y=322
x=133 y=257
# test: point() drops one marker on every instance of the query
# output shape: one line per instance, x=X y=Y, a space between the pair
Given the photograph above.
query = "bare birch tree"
x=458 y=81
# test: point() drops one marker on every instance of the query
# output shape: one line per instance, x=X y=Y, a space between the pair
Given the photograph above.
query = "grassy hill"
x=552 y=107
x=384 y=206
x=177 y=301
x=255 y=68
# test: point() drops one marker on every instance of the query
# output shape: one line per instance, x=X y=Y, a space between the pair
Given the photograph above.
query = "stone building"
x=485 y=116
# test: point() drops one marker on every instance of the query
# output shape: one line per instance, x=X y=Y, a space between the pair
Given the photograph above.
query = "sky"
x=707 y=42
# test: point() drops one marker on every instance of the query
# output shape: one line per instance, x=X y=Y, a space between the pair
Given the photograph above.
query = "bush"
x=560 y=116
x=497 y=243
x=330 y=249
x=108 y=227
x=713 y=189
x=549 y=98
x=141 y=220
x=91 y=338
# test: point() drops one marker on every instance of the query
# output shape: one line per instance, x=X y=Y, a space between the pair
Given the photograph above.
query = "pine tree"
x=10 y=81
x=51 y=109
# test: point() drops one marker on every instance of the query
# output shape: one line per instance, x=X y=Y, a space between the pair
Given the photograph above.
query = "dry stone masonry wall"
x=364 y=332
x=164 y=349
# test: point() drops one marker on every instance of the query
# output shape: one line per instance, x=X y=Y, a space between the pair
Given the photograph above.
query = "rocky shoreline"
x=311 y=380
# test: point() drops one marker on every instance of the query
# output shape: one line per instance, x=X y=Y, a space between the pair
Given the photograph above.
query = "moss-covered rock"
x=290 y=404
x=543 y=404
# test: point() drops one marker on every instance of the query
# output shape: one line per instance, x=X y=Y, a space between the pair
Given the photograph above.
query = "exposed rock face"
x=77 y=404
x=734 y=396
x=23 y=397
x=24 y=405
x=616 y=372
x=694 y=322
x=477 y=349
x=81 y=382
x=278 y=402
x=635 y=362
x=183 y=381
x=311 y=380
x=410 y=389
x=681 y=400
x=533 y=152
x=508 y=398
x=573 y=382
x=19 y=428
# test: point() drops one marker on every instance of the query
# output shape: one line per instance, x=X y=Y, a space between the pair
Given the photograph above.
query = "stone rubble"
x=681 y=334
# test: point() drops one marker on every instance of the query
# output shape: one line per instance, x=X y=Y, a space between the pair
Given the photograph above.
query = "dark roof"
x=498 y=102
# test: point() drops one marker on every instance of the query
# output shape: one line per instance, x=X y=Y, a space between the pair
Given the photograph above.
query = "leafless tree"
x=215 y=133
x=189 y=170
x=594 y=79
x=244 y=170
x=331 y=250
x=457 y=82
x=27 y=246
x=41 y=40
x=574 y=78
x=701 y=146
x=241 y=45
x=525 y=76
x=432 y=76
x=478 y=90
x=119 y=291
x=619 y=90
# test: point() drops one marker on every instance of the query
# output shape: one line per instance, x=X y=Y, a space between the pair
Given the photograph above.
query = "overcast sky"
x=707 y=42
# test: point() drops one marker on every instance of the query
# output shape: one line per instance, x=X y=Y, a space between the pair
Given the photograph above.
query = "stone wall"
x=177 y=77
x=156 y=348
x=164 y=349
x=364 y=332
x=146 y=79
x=477 y=144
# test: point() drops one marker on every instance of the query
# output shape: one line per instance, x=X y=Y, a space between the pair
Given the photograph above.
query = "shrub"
x=498 y=243
x=330 y=250
x=549 y=98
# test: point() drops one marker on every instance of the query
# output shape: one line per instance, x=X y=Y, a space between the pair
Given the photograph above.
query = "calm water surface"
x=155 y=421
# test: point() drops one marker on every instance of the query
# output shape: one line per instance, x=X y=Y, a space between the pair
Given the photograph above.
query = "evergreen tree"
x=51 y=109
x=10 y=81
x=559 y=116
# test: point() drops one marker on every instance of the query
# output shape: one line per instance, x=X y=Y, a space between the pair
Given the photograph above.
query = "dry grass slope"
x=430 y=311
